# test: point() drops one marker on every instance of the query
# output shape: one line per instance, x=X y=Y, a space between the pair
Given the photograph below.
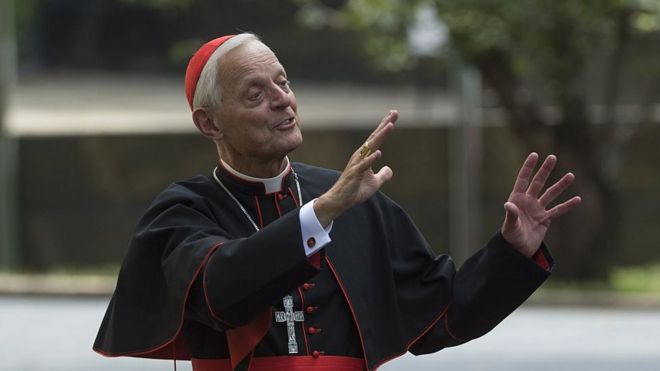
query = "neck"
x=255 y=168
x=271 y=184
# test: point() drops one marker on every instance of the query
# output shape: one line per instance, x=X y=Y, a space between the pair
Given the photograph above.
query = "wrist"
x=515 y=241
x=326 y=209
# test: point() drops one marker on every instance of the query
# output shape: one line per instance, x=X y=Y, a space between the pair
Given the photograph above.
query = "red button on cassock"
x=311 y=309
x=313 y=330
x=316 y=354
x=308 y=286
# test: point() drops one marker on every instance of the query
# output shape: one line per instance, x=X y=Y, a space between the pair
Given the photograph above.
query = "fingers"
x=382 y=176
x=522 y=181
x=377 y=137
x=391 y=117
x=542 y=176
x=366 y=163
x=556 y=189
x=563 y=208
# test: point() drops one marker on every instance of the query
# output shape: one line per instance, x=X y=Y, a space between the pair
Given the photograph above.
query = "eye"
x=284 y=84
x=255 y=95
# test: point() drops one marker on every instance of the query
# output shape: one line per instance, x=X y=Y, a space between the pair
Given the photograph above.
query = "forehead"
x=248 y=61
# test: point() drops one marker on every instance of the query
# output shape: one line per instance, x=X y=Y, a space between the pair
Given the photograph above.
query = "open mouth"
x=285 y=124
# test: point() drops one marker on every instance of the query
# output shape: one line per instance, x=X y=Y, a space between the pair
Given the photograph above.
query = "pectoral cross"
x=290 y=317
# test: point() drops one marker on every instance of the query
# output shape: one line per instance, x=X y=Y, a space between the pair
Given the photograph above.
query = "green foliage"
x=383 y=23
x=544 y=38
x=636 y=279
x=160 y=4
x=624 y=280
x=181 y=51
x=647 y=18
x=24 y=10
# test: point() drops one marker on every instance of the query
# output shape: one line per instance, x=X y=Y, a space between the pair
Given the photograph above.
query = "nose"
x=280 y=98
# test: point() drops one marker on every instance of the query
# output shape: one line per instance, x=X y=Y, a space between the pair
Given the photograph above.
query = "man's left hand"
x=527 y=220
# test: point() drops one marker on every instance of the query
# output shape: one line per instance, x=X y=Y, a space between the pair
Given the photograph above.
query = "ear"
x=206 y=124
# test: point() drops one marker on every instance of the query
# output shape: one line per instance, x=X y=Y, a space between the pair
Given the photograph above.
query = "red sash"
x=286 y=363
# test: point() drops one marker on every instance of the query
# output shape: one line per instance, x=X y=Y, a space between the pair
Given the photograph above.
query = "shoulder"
x=183 y=199
x=197 y=186
x=188 y=192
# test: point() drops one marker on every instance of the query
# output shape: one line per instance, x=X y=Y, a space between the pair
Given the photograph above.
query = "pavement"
x=55 y=333
x=49 y=322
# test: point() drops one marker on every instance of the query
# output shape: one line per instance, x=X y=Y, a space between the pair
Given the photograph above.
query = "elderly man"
x=269 y=265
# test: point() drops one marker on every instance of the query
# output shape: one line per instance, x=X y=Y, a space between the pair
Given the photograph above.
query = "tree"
x=560 y=69
x=7 y=144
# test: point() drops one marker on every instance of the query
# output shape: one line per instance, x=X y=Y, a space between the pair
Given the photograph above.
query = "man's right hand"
x=358 y=181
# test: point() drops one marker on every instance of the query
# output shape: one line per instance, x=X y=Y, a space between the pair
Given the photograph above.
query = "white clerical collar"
x=271 y=185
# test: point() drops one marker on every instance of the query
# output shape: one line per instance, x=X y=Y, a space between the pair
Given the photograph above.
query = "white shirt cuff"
x=314 y=236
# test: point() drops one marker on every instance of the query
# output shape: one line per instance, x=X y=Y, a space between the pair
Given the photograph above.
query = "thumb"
x=384 y=174
x=511 y=216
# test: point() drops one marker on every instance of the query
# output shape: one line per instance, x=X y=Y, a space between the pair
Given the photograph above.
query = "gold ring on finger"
x=365 y=150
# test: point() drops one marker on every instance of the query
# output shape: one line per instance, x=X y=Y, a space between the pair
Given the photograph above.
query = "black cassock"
x=198 y=282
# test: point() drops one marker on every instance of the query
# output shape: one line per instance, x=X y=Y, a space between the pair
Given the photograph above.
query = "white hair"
x=208 y=92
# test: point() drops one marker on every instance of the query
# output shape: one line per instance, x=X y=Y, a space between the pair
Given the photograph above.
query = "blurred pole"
x=465 y=165
x=8 y=158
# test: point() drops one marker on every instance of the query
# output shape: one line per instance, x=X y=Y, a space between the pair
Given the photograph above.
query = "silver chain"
x=254 y=224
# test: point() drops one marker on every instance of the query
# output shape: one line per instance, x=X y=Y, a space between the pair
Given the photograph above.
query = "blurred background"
x=94 y=123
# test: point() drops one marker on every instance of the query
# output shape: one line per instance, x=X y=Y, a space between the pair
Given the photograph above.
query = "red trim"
x=296 y=202
x=302 y=324
x=315 y=260
x=277 y=205
x=428 y=328
x=451 y=333
x=350 y=306
x=442 y=314
x=206 y=298
x=286 y=363
x=364 y=352
x=261 y=218
x=241 y=341
x=540 y=259
x=161 y=351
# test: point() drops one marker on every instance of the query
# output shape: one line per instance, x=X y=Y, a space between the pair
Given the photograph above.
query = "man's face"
x=258 y=112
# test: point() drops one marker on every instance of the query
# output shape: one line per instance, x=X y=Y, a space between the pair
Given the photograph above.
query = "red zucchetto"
x=197 y=63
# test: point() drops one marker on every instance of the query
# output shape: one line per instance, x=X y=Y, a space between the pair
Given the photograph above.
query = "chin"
x=295 y=145
x=288 y=142
x=296 y=137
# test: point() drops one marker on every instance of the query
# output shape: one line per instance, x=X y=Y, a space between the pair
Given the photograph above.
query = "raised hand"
x=527 y=218
x=358 y=181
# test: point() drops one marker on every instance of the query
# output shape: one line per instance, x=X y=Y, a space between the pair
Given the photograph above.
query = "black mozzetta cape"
x=195 y=255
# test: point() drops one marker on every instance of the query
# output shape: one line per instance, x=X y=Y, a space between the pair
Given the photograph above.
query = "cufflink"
x=311 y=242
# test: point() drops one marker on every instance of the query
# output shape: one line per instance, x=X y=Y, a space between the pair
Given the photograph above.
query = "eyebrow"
x=257 y=79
